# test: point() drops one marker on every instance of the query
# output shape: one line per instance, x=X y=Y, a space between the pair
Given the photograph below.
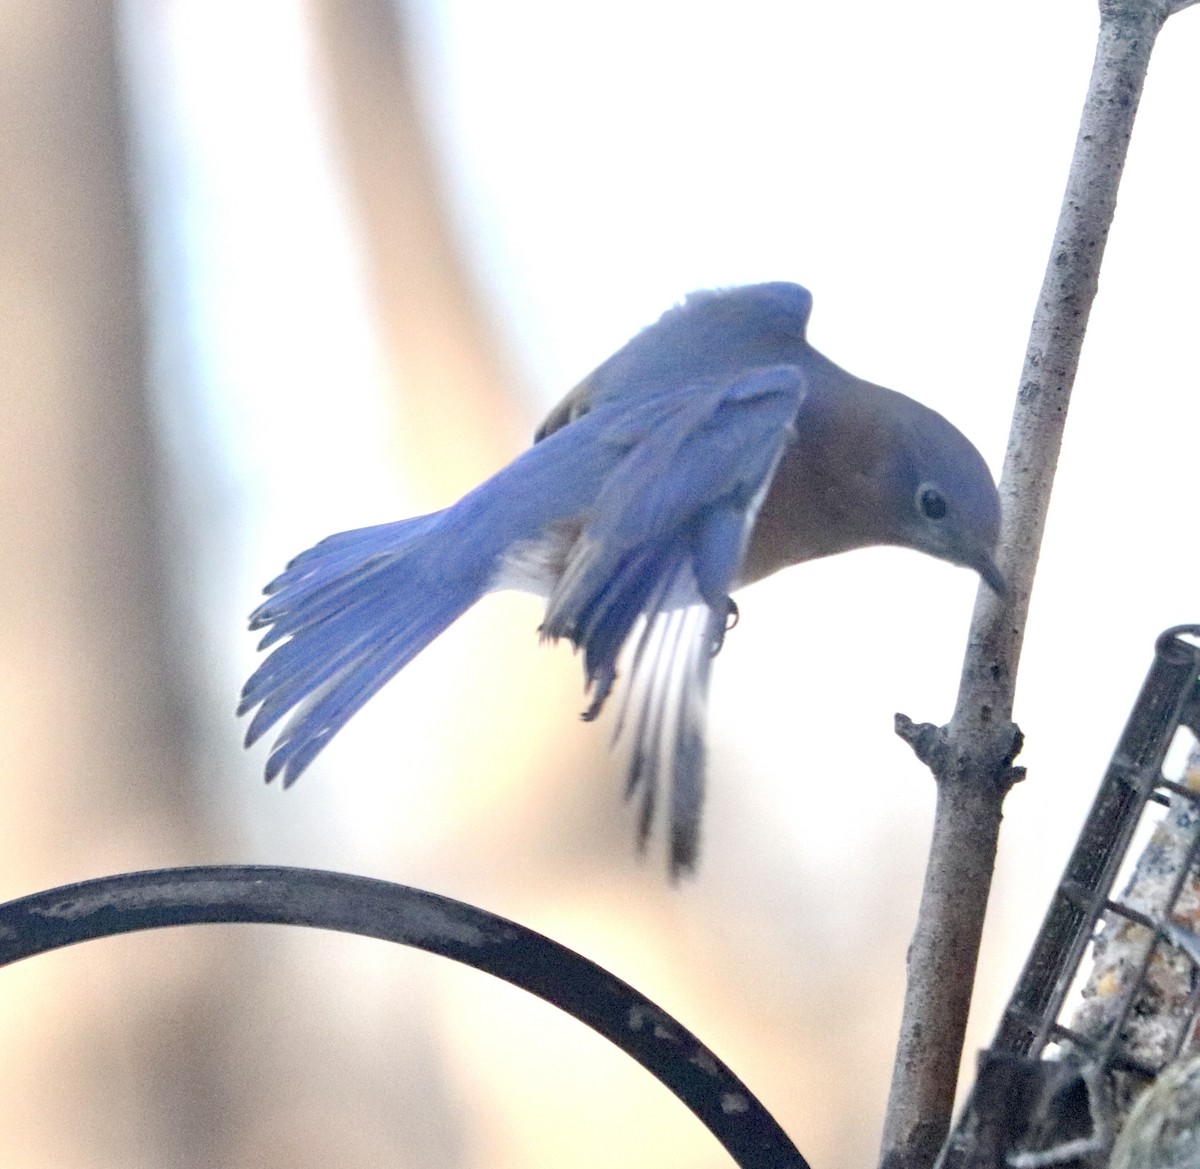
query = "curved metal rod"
x=396 y=913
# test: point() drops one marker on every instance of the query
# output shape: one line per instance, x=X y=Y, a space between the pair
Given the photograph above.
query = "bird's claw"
x=731 y=619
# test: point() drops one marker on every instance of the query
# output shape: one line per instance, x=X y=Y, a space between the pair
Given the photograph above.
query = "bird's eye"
x=931 y=502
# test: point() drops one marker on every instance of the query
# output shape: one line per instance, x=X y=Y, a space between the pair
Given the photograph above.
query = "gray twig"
x=972 y=756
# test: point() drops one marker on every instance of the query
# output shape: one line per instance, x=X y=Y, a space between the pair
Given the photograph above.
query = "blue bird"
x=713 y=449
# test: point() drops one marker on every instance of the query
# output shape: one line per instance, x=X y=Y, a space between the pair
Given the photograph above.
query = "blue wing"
x=662 y=545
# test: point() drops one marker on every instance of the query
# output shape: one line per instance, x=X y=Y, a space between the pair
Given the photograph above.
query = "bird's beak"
x=986 y=567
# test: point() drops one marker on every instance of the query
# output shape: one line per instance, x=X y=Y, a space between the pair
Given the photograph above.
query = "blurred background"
x=274 y=268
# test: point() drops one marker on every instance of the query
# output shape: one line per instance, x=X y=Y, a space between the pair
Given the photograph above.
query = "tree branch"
x=971 y=758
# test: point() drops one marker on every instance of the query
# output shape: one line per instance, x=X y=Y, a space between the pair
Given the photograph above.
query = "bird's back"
x=711 y=338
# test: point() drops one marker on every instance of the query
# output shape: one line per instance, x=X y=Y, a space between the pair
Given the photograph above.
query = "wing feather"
x=662 y=545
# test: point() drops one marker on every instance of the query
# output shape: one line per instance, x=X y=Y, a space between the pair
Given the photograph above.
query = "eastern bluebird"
x=713 y=449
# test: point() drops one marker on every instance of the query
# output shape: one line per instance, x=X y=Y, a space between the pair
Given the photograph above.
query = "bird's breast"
x=827 y=494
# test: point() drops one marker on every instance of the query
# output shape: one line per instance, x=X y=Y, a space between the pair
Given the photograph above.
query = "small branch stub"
x=931 y=744
x=927 y=740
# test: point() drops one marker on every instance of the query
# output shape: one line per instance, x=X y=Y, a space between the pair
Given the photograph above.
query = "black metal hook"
x=352 y=904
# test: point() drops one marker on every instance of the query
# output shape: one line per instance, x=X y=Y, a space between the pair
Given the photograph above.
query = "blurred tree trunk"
x=93 y=739
x=457 y=420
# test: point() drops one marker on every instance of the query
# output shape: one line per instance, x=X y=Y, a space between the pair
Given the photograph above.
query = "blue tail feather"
x=356 y=608
x=359 y=606
x=349 y=593
x=342 y=696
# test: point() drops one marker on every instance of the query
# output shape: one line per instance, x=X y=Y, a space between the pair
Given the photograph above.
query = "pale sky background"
x=903 y=161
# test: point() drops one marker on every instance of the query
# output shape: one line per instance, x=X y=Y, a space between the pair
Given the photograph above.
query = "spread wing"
x=662 y=546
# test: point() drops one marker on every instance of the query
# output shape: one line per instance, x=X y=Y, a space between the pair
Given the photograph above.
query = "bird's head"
x=940 y=496
x=869 y=466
